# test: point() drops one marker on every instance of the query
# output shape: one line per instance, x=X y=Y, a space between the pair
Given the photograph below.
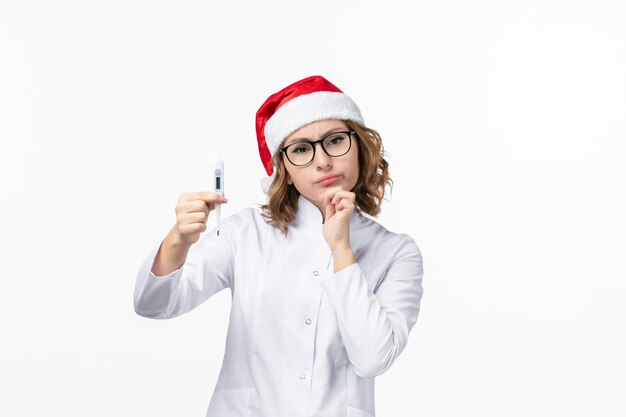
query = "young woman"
x=323 y=297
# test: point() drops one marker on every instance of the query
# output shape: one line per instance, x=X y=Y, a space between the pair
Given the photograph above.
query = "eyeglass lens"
x=336 y=144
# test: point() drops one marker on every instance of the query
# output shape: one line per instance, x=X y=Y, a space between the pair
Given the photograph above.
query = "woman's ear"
x=289 y=179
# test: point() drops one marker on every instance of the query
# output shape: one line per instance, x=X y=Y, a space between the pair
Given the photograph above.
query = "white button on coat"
x=362 y=314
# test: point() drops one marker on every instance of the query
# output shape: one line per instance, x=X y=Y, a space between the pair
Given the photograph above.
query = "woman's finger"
x=330 y=210
x=348 y=195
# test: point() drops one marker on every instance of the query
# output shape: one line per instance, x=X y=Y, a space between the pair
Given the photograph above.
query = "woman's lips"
x=329 y=180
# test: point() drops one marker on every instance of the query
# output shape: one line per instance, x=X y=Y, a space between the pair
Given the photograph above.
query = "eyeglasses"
x=334 y=144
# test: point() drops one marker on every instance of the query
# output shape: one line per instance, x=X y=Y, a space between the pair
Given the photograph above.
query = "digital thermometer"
x=217 y=170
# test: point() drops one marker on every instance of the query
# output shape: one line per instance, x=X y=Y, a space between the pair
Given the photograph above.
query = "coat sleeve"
x=207 y=270
x=375 y=325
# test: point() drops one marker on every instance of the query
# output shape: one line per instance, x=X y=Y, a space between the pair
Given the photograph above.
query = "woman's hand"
x=192 y=213
x=338 y=207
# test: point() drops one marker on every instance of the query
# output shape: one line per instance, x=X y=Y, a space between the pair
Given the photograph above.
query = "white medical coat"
x=302 y=341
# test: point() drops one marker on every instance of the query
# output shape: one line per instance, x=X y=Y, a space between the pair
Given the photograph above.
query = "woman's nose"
x=321 y=157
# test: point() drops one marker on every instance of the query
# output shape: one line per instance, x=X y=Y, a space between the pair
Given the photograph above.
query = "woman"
x=323 y=298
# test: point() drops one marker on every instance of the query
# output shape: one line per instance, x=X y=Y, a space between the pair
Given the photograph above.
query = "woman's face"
x=323 y=171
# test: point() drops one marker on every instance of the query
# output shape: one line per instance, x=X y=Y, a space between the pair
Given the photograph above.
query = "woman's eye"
x=300 y=149
x=336 y=140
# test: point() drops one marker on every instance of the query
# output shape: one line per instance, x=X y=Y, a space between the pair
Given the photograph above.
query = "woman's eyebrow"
x=334 y=129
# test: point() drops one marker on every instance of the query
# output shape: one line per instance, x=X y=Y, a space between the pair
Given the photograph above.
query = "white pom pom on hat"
x=305 y=101
x=266 y=182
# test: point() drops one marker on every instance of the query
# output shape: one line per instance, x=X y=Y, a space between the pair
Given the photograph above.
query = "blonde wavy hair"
x=282 y=197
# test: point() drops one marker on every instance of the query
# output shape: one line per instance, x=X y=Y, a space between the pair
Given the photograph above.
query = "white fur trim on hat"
x=309 y=108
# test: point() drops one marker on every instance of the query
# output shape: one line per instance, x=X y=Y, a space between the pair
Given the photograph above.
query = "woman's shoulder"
x=378 y=235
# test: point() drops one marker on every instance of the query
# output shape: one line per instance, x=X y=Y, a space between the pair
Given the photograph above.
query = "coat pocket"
x=230 y=403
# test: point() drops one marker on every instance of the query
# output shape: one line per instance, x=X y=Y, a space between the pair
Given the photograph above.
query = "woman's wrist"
x=343 y=258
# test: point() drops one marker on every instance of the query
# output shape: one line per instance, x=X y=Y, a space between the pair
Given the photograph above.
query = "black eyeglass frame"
x=321 y=142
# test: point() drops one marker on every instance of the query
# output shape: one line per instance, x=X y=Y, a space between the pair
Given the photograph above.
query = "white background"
x=504 y=125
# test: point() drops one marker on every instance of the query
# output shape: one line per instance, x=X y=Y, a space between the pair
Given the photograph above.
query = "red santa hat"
x=306 y=101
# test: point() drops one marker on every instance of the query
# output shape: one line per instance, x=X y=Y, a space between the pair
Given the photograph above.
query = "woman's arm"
x=375 y=325
x=206 y=269
x=171 y=255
